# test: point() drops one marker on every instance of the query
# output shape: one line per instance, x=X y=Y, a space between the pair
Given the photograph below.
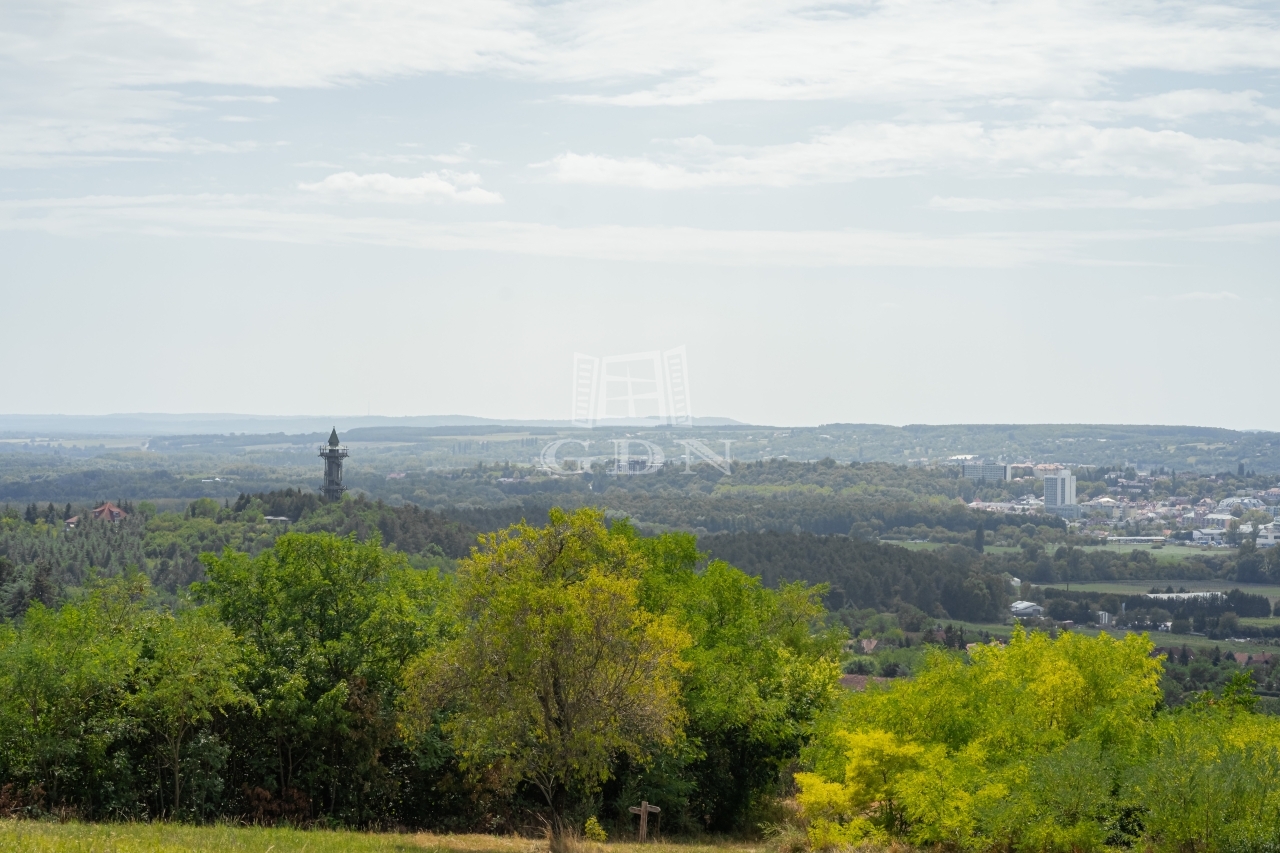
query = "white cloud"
x=275 y=220
x=885 y=149
x=1051 y=57
x=1201 y=296
x=1173 y=106
x=235 y=118
x=427 y=186
x=259 y=219
x=680 y=52
x=254 y=99
x=884 y=52
x=1178 y=198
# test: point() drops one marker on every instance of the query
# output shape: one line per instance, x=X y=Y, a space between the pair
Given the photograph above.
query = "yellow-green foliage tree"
x=555 y=670
x=1044 y=745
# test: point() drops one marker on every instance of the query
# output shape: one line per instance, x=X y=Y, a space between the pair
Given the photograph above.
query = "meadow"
x=1135 y=587
x=49 y=837
x=1167 y=554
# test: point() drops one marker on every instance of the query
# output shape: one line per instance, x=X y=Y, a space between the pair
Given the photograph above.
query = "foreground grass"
x=37 y=837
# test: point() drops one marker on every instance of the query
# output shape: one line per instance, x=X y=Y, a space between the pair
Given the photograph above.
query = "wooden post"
x=644 y=809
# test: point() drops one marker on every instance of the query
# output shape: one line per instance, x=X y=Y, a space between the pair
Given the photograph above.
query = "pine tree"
x=980 y=538
x=43 y=589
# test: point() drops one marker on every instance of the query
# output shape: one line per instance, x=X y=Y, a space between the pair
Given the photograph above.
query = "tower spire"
x=333 y=454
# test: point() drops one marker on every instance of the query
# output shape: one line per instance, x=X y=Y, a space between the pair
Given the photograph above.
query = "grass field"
x=1167 y=554
x=40 y=837
x=1270 y=590
x=1160 y=638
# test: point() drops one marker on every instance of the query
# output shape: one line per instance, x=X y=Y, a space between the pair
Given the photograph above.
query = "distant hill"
x=156 y=424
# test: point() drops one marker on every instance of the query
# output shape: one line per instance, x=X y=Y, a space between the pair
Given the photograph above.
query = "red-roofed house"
x=107 y=512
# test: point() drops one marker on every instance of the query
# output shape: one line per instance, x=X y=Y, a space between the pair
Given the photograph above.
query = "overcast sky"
x=874 y=211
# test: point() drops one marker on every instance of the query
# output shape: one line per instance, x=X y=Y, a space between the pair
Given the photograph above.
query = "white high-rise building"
x=983 y=471
x=1060 y=493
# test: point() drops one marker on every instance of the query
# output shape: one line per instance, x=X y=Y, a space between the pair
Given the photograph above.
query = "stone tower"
x=333 y=454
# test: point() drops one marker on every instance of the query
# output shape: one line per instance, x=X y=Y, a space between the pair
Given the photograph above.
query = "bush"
x=1044 y=745
x=594 y=831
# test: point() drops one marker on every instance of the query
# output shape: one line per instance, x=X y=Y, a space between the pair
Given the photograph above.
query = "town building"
x=1060 y=494
x=986 y=471
x=107 y=512
x=1227 y=504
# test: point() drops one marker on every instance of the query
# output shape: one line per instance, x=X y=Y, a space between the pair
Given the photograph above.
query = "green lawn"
x=42 y=837
x=1160 y=638
x=1167 y=554
x=1270 y=590
x=39 y=837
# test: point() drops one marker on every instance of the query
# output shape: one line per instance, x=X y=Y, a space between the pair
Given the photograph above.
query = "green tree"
x=761 y=667
x=555 y=670
x=328 y=624
x=190 y=671
x=65 y=676
x=980 y=537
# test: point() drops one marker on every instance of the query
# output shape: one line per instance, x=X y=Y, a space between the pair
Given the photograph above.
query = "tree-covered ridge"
x=859 y=574
x=44 y=560
x=1205 y=450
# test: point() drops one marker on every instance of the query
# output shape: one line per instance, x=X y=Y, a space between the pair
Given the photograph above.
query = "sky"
x=892 y=212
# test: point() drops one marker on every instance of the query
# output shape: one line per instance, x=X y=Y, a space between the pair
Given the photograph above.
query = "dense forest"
x=949 y=584
x=42 y=561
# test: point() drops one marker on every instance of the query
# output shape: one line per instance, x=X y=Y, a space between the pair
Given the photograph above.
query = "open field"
x=1167 y=554
x=40 y=837
x=1192 y=641
x=1270 y=590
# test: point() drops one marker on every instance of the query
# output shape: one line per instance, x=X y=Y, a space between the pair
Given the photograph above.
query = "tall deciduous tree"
x=64 y=679
x=556 y=670
x=329 y=624
x=192 y=665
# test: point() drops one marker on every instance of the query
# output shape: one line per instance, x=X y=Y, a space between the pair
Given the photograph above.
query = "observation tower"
x=333 y=454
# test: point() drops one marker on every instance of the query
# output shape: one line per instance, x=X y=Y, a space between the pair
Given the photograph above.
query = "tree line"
x=560 y=673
